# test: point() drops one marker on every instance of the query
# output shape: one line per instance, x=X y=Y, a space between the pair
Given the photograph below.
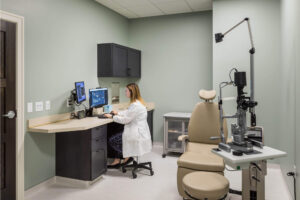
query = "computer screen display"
x=98 y=97
x=80 y=92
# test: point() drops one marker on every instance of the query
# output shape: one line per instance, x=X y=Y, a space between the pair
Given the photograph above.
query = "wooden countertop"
x=64 y=123
x=70 y=125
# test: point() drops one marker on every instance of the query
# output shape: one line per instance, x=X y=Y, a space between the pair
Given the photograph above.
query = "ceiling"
x=147 y=8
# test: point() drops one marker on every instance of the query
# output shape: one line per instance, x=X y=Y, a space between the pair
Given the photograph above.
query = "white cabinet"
x=175 y=124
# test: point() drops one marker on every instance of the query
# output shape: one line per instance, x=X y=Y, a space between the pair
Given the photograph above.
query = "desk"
x=63 y=122
x=251 y=188
x=81 y=144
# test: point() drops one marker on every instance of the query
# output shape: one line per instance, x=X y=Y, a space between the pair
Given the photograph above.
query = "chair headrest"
x=207 y=94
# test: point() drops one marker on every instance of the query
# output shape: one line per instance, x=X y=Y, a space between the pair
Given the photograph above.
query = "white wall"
x=233 y=52
x=289 y=139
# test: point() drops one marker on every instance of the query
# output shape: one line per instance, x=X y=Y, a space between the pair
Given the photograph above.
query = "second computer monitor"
x=80 y=92
x=98 y=97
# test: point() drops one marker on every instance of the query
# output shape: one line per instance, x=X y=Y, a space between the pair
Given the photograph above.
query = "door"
x=7 y=110
x=134 y=63
x=119 y=61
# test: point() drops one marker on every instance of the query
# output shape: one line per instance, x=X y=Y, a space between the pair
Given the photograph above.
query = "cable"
x=294 y=177
x=230 y=73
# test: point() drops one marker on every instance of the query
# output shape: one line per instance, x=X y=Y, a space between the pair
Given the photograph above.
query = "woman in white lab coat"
x=135 y=139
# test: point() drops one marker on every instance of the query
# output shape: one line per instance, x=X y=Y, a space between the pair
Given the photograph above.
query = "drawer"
x=99 y=143
x=99 y=131
x=99 y=163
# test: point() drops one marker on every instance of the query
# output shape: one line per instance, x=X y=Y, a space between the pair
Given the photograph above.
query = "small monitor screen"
x=98 y=97
x=80 y=92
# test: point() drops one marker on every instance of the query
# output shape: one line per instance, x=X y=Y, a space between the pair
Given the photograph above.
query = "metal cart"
x=175 y=124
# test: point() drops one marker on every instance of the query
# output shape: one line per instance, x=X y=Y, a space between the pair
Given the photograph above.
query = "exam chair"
x=204 y=123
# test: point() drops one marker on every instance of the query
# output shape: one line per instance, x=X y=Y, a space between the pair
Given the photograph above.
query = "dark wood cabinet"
x=118 y=61
x=82 y=154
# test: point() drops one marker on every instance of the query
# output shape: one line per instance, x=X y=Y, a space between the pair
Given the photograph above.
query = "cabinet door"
x=175 y=129
x=119 y=61
x=73 y=151
x=98 y=163
x=134 y=63
x=99 y=151
x=104 y=60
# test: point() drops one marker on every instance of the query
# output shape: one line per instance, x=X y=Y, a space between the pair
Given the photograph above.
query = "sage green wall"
x=60 y=48
x=176 y=61
x=289 y=139
x=233 y=52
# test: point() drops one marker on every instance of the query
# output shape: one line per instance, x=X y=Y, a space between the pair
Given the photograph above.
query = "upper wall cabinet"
x=118 y=61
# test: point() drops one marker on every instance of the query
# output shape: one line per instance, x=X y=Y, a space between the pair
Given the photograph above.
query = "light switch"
x=39 y=106
x=29 y=107
x=48 y=105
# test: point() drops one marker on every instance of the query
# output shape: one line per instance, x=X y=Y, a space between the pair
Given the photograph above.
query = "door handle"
x=10 y=115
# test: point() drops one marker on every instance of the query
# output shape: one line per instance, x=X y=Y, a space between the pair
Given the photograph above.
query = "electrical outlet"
x=39 y=106
x=29 y=107
x=68 y=103
x=295 y=170
x=48 y=105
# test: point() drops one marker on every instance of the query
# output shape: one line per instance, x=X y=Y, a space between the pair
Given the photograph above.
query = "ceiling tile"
x=118 y=8
x=200 y=5
x=146 y=11
x=146 y=8
x=172 y=7
x=130 y=3
x=162 y=1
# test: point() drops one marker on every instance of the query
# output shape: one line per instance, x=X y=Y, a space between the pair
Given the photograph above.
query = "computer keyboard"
x=102 y=116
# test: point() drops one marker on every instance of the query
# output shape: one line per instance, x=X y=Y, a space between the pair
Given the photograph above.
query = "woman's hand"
x=108 y=115
x=114 y=112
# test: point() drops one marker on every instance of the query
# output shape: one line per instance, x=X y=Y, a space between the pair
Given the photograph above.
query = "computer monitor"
x=98 y=97
x=80 y=92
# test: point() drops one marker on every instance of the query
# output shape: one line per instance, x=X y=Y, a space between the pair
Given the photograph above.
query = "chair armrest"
x=183 y=138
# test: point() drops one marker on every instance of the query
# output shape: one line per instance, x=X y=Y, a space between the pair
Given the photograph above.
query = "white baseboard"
x=160 y=144
x=67 y=182
x=39 y=187
x=273 y=166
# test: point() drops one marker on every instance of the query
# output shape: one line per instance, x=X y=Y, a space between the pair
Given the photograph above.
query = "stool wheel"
x=123 y=170
x=134 y=175
x=151 y=173
x=164 y=155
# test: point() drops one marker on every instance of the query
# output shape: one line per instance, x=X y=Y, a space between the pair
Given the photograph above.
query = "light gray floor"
x=162 y=186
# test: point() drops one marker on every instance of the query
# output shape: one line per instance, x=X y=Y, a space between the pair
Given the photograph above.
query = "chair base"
x=200 y=199
x=136 y=166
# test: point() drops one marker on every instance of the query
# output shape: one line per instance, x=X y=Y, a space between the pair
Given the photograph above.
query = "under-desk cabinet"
x=82 y=154
x=118 y=61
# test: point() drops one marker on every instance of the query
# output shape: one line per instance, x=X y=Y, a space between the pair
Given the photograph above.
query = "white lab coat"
x=136 y=136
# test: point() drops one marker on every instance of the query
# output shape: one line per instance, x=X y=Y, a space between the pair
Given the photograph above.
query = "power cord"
x=293 y=174
x=230 y=73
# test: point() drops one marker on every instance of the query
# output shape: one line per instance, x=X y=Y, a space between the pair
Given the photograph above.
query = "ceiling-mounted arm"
x=250 y=33
x=219 y=38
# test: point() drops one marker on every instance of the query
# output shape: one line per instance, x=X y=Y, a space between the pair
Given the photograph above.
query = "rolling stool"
x=136 y=165
x=205 y=186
